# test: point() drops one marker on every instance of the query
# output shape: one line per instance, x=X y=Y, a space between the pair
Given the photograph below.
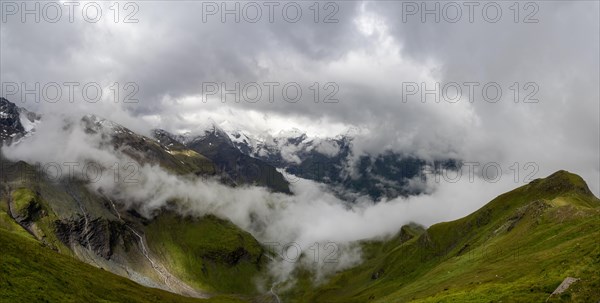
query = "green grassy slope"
x=517 y=248
x=208 y=253
x=31 y=272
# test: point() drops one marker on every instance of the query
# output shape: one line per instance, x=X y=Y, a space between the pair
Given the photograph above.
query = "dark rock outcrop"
x=99 y=235
x=11 y=127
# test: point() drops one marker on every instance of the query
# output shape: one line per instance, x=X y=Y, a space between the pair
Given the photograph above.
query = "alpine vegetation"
x=349 y=151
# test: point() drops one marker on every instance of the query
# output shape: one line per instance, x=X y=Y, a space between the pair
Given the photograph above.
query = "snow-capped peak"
x=291 y=133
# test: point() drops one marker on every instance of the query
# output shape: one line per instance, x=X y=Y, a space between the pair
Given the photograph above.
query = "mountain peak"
x=561 y=182
x=291 y=133
x=9 y=115
x=96 y=123
x=15 y=122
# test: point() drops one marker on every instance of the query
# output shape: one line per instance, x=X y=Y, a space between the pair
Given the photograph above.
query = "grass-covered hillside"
x=192 y=256
x=517 y=248
x=32 y=272
x=208 y=253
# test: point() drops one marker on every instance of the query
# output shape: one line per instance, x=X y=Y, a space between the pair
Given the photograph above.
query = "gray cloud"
x=369 y=53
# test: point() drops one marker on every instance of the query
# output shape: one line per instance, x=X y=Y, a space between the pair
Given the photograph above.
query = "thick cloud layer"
x=374 y=48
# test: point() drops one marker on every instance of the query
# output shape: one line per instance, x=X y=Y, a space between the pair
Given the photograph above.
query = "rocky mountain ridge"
x=15 y=122
x=326 y=160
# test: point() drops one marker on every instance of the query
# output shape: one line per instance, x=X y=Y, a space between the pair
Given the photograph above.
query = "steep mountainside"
x=238 y=167
x=173 y=158
x=69 y=217
x=517 y=248
x=15 y=122
x=31 y=272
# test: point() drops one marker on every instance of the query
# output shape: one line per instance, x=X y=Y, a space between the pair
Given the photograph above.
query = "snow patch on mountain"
x=287 y=144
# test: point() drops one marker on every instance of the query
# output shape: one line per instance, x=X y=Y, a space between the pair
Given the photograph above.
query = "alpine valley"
x=161 y=225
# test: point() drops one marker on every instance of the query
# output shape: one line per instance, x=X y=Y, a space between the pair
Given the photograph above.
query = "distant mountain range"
x=327 y=160
x=243 y=158
x=236 y=166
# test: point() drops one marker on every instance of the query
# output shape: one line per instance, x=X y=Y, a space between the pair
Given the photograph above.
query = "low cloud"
x=312 y=216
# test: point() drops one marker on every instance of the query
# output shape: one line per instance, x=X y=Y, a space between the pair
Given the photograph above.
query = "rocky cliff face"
x=15 y=122
x=98 y=235
x=11 y=128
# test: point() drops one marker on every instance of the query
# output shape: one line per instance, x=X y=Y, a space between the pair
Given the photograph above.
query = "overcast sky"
x=365 y=55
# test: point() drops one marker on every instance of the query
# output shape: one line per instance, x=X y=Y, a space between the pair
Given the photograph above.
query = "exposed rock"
x=12 y=118
x=99 y=235
x=29 y=212
x=10 y=123
x=534 y=209
x=376 y=275
x=464 y=249
x=231 y=258
x=563 y=286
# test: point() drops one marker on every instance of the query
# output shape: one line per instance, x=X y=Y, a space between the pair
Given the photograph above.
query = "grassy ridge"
x=517 y=248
